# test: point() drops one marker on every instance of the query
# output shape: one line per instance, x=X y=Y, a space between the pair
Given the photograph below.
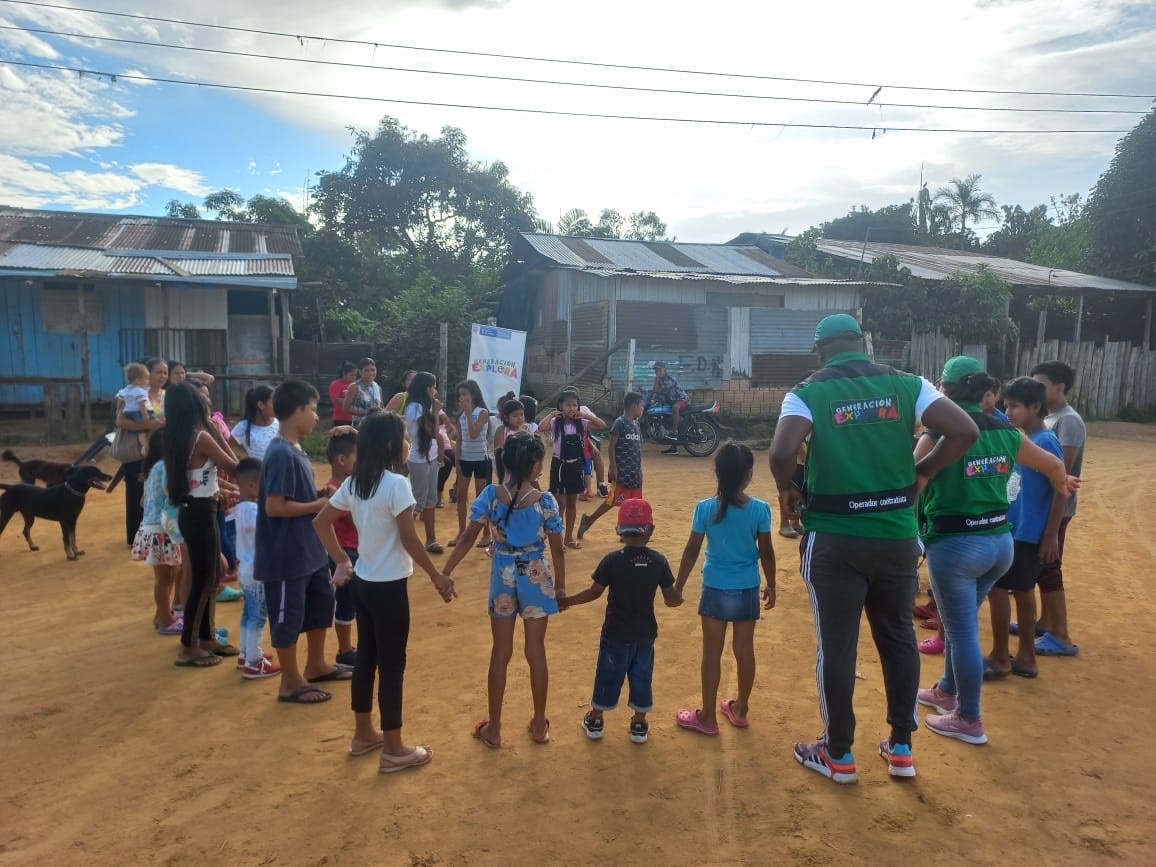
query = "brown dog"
x=49 y=472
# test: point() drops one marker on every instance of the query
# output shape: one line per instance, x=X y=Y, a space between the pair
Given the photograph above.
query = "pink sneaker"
x=241 y=660
x=942 y=703
x=934 y=645
x=952 y=725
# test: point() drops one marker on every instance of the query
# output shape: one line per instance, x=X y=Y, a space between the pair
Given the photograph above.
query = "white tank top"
x=203 y=479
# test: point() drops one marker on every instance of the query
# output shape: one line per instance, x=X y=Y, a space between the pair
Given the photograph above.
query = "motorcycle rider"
x=667 y=386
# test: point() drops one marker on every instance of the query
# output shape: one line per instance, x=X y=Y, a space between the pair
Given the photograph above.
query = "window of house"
x=60 y=306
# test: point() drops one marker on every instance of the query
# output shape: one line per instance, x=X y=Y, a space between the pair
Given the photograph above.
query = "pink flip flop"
x=688 y=719
x=726 y=706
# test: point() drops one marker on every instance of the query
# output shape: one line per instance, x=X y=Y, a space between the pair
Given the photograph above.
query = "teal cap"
x=956 y=369
x=838 y=325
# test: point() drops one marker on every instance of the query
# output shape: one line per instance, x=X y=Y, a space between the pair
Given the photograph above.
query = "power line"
x=116 y=76
x=552 y=82
x=300 y=38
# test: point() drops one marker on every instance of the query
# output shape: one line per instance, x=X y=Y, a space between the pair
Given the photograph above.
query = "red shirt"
x=343 y=526
x=337 y=390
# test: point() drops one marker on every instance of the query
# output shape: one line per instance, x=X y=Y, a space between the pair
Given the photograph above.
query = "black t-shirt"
x=633 y=576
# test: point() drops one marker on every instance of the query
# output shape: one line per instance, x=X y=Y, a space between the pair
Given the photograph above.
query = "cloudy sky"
x=88 y=143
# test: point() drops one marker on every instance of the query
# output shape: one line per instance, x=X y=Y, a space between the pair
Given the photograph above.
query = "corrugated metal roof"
x=659 y=258
x=935 y=263
x=737 y=279
x=106 y=231
x=33 y=257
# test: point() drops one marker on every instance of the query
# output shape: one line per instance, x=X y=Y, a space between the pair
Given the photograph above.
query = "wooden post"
x=271 y=310
x=1041 y=325
x=630 y=351
x=1148 y=323
x=285 y=336
x=1079 y=318
x=54 y=423
x=82 y=334
x=444 y=357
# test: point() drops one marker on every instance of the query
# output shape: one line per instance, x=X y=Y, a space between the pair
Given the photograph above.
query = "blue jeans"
x=254 y=616
x=619 y=661
x=963 y=570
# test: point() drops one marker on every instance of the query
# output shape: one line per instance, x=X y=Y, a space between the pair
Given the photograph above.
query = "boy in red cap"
x=626 y=649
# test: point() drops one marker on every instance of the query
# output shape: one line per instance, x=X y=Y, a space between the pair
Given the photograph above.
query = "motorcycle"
x=700 y=434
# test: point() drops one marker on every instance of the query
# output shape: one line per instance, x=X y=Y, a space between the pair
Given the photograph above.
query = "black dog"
x=62 y=503
x=49 y=472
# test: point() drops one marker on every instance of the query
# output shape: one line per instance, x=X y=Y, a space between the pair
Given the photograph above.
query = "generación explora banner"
x=496 y=359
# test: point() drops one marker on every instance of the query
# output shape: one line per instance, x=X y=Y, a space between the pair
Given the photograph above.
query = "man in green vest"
x=860 y=549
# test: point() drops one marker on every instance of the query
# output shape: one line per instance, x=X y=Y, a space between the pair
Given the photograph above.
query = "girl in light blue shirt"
x=737 y=529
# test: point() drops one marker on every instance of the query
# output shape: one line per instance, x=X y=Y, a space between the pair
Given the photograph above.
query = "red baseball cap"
x=635 y=517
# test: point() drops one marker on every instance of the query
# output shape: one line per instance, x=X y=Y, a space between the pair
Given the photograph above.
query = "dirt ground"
x=111 y=755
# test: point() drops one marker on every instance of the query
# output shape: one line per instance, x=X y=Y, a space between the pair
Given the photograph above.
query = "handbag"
x=126 y=447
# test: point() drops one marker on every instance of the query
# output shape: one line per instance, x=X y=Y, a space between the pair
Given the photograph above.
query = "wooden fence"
x=1109 y=378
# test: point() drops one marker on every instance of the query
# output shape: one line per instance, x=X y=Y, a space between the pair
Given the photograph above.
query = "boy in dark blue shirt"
x=626 y=650
x=1034 y=513
x=290 y=560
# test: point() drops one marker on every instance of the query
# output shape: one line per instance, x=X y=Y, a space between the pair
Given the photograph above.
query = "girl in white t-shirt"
x=422 y=411
x=259 y=427
x=380 y=503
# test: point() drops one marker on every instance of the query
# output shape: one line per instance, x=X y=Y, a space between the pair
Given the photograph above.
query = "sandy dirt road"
x=110 y=755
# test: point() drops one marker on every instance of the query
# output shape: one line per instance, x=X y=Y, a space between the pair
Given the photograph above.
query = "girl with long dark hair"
x=473 y=451
x=195 y=453
x=380 y=502
x=737 y=529
x=153 y=544
x=364 y=393
x=259 y=425
x=337 y=389
x=422 y=410
x=522 y=520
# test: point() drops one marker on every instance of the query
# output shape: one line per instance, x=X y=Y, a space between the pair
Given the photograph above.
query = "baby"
x=136 y=399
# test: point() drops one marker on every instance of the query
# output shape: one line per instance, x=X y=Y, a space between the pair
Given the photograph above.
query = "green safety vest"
x=970 y=496
x=860 y=469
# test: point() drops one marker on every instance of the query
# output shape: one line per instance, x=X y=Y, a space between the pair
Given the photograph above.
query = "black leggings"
x=133 y=491
x=197 y=520
x=382 y=634
x=444 y=471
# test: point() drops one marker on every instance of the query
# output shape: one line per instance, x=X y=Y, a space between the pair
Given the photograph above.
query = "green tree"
x=1016 y=232
x=645 y=226
x=575 y=222
x=425 y=199
x=182 y=210
x=1121 y=210
x=228 y=204
x=892 y=224
x=965 y=200
x=609 y=224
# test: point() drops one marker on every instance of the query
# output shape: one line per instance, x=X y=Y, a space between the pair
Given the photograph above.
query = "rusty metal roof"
x=935 y=263
x=659 y=258
x=54 y=243
x=112 y=231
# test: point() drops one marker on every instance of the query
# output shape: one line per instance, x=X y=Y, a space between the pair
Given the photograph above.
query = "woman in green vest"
x=963 y=524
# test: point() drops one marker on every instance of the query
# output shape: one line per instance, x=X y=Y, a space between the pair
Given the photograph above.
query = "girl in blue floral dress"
x=522 y=520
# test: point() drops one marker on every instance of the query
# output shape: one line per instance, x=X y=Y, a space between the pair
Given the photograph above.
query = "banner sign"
x=496 y=359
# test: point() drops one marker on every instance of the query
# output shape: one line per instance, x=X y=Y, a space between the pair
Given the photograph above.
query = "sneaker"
x=816 y=758
x=441 y=504
x=348 y=658
x=899 y=763
x=241 y=660
x=942 y=703
x=932 y=646
x=593 y=727
x=262 y=669
x=230 y=594
x=673 y=450
x=952 y=725
x=639 y=731
x=603 y=490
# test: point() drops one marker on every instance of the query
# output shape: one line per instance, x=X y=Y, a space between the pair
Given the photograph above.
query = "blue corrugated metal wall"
x=27 y=350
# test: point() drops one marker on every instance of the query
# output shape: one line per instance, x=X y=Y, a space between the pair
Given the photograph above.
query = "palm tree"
x=964 y=199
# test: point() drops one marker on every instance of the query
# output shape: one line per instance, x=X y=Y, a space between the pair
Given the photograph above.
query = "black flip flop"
x=198 y=662
x=990 y=672
x=295 y=696
x=338 y=672
x=1023 y=671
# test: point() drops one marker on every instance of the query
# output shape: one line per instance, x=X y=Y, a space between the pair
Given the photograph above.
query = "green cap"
x=839 y=325
x=955 y=369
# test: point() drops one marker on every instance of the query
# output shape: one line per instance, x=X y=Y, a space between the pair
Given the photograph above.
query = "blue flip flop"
x=1049 y=645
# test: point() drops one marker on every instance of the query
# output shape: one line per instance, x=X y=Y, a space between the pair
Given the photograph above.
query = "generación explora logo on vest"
x=877 y=409
x=985 y=467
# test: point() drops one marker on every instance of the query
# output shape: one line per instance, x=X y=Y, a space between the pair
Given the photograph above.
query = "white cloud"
x=170 y=177
x=707 y=181
x=25 y=184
